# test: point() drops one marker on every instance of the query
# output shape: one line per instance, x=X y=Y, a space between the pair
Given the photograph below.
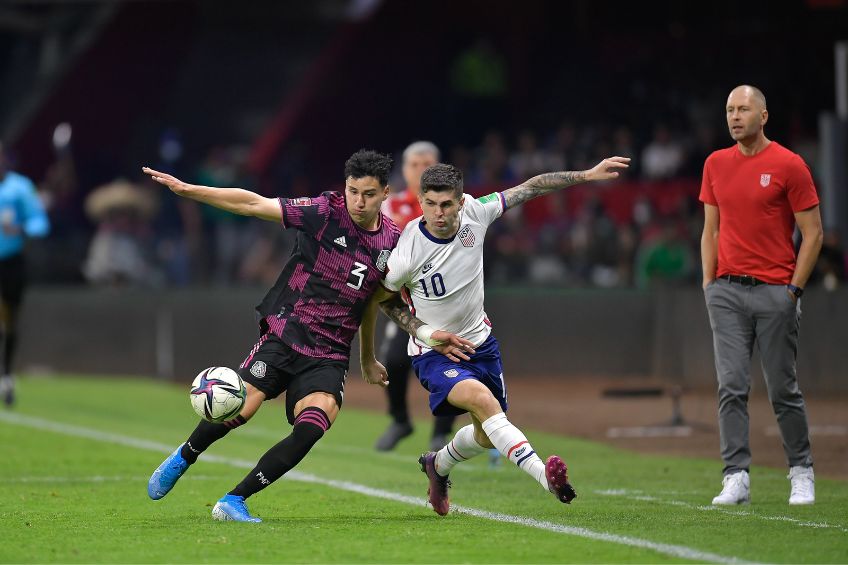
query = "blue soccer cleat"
x=233 y=508
x=167 y=474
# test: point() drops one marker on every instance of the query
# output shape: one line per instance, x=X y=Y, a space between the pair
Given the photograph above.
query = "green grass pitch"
x=77 y=453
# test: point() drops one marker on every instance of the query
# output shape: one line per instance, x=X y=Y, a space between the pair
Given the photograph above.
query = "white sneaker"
x=736 y=489
x=803 y=483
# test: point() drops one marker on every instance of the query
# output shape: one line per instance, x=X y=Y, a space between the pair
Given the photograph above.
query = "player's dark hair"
x=368 y=163
x=441 y=178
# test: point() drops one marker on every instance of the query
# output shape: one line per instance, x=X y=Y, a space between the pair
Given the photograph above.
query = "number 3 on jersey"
x=437 y=284
x=358 y=271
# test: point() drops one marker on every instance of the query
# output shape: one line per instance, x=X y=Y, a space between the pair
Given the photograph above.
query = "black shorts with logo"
x=273 y=367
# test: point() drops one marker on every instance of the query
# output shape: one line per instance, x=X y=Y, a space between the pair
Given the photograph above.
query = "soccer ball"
x=217 y=394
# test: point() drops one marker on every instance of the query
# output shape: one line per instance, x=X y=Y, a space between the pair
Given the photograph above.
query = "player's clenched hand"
x=175 y=184
x=608 y=168
x=452 y=346
x=374 y=373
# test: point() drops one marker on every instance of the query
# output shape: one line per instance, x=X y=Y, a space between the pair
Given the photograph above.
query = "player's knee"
x=254 y=400
x=479 y=396
x=310 y=425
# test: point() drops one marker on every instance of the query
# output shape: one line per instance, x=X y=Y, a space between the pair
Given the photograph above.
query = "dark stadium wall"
x=579 y=333
x=121 y=81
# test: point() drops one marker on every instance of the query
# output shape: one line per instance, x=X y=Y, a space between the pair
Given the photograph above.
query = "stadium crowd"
x=640 y=231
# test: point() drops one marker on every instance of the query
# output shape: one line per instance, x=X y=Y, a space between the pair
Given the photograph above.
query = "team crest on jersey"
x=451 y=373
x=382 y=259
x=258 y=369
x=466 y=236
x=302 y=202
x=765 y=179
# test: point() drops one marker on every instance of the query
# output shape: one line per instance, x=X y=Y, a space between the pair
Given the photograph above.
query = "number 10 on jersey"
x=437 y=285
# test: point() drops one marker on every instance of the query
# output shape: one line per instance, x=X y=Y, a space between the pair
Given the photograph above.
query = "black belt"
x=744 y=280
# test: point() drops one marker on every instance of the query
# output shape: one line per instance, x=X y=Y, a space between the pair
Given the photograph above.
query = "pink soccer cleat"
x=556 y=471
x=439 y=485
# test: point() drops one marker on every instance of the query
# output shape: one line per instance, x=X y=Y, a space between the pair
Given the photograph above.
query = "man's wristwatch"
x=796 y=290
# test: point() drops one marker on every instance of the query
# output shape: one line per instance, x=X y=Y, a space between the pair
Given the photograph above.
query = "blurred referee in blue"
x=21 y=215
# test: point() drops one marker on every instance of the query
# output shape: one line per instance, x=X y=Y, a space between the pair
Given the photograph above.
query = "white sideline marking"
x=94 y=479
x=128 y=441
x=637 y=495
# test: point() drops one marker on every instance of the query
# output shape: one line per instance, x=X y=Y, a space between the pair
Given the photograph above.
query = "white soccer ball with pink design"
x=217 y=394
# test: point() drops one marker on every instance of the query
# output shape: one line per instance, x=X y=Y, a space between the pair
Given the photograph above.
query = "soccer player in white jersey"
x=437 y=267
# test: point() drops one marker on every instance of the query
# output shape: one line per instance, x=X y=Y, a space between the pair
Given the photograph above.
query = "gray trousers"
x=766 y=315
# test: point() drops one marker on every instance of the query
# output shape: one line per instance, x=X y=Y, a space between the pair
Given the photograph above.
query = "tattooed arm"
x=450 y=345
x=548 y=182
x=396 y=309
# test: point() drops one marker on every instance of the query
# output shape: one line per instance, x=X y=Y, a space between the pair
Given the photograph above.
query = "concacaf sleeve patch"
x=302 y=202
x=488 y=198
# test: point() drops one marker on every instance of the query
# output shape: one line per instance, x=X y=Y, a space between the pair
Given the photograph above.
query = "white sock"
x=461 y=448
x=514 y=446
x=6 y=384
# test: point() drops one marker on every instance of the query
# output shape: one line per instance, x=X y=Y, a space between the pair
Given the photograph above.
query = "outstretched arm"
x=236 y=200
x=549 y=182
x=450 y=345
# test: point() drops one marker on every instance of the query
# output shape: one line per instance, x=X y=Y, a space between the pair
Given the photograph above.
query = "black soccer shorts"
x=12 y=279
x=273 y=367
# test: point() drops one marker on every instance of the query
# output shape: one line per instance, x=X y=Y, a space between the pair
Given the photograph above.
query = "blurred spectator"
x=58 y=259
x=120 y=252
x=546 y=267
x=831 y=265
x=529 y=160
x=228 y=234
x=563 y=147
x=492 y=161
x=663 y=157
x=462 y=159
x=623 y=145
x=511 y=257
x=178 y=225
x=261 y=264
x=666 y=260
x=21 y=216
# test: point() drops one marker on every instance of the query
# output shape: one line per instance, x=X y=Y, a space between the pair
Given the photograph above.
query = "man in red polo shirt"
x=402 y=207
x=754 y=194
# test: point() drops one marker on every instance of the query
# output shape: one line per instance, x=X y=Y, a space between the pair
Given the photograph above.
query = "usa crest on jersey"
x=466 y=236
x=765 y=179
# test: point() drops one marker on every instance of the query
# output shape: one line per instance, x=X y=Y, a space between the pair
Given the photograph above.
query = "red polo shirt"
x=402 y=207
x=757 y=197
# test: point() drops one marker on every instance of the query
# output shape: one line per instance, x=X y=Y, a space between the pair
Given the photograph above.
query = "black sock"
x=442 y=425
x=3 y=346
x=10 y=342
x=309 y=427
x=205 y=434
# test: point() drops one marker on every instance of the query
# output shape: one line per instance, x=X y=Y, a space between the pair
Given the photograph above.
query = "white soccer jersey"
x=444 y=277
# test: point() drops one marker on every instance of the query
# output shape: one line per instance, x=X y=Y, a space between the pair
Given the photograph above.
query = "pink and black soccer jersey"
x=316 y=305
